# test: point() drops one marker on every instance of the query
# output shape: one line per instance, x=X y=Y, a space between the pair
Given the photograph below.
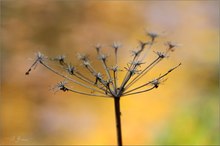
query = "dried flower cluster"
x=107 y=84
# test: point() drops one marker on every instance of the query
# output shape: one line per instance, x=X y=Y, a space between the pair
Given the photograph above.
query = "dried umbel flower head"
x=39 y=58
x=152 y=35
x=60 y=59
x=61 y=86
x=107 y=84
x=171 y=45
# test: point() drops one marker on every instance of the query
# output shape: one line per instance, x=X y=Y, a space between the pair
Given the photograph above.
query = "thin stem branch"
x=132 y=66
x=89 y=94
x=70 y=79
x=125 y=94
x=107 y=72
x=150 y=66
x=81 y=75
x=116 y=72
x=35 y=63
x=115 y=80
x=156 y=79
x=143 y=72
x=145 y=54
x=94 y=73
x=126 y=76
x=83 y=78
x=169 y=71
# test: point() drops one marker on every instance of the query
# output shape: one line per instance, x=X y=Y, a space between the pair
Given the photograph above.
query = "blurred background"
x=183 y=110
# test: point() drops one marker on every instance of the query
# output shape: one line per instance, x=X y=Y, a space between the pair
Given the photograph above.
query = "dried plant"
x=108 y=85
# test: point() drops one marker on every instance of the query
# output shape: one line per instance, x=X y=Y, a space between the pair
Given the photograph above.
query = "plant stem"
x=118 y=120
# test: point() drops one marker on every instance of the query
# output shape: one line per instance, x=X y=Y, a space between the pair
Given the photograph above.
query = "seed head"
x=86 y=63
x=98 y=77
x=132 y=71
x=137 y=63
x=39 y=58
x=115 y=68
x=98 y=48
x=82 y=57
x=143 y=44
x=60 y=59
x=135 y=53
x=171 y=45
x=152 y=35
x=71 y=69
x=61 y=86
x=116 y=45
x=155 y=82
x=161 y=54
x=103 y=57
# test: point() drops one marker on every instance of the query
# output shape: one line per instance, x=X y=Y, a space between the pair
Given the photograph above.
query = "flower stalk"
x=118 y=120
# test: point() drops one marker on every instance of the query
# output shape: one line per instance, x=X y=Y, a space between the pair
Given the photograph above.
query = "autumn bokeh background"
x=184 y=110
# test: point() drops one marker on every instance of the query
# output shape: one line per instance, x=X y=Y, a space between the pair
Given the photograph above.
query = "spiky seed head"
x=152 y=35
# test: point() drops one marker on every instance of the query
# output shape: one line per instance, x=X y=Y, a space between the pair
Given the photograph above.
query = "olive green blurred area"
x=183 y=110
